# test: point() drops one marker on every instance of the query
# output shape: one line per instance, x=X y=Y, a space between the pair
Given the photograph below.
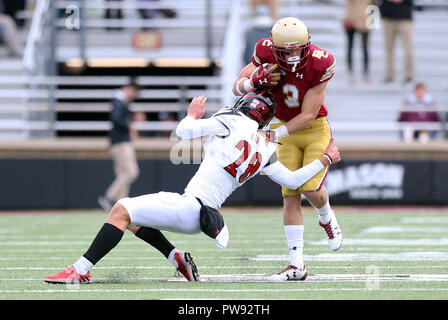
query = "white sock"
x=83 y=266
x=294 y=238
x=323 y=212
x=171 y=258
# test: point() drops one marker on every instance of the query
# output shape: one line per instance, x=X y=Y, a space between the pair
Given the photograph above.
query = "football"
x=267 y=66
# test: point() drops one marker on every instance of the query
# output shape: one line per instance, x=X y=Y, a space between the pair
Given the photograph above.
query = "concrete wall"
x=75 y=183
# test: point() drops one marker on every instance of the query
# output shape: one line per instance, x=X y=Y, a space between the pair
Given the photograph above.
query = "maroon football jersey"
x=292 y=87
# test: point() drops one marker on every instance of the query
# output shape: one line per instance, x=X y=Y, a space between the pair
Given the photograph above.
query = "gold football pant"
x=301 y=148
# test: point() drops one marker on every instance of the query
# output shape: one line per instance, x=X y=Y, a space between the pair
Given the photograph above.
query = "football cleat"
x=186 y=266
x=68 y=276
x=290 y=273
x=332 y=232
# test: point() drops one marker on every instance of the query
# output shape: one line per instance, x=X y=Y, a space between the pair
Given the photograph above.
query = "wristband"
x=237 y=87
x=281 y=132
x=247 y=85
x=329 y=158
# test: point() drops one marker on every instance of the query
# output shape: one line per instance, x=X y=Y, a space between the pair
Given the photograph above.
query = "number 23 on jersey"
x=252 y=167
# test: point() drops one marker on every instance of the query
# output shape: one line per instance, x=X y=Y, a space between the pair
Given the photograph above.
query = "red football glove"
x=263 y=78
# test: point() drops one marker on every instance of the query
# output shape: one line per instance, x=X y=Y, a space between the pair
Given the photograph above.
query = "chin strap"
x=294 y=66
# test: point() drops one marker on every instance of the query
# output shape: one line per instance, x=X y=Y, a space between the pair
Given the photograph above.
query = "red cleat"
x=186 y=266
x=68 y=276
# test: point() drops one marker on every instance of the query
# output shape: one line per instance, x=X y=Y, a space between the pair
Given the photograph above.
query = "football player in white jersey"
x=235 y=151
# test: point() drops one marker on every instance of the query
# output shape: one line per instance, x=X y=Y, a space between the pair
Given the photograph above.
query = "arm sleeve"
x=262 y=52
x=255 y=59
x=292 y=179
x=190 y=128
x=325 y=67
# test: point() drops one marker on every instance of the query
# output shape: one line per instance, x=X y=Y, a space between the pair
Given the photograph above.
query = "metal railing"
x=42 y=94
x=37 y=38
x=196 y=15
x=38 y=60
x=231 y=53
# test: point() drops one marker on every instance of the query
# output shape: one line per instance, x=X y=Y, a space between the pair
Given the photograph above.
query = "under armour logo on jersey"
x=299 y=75
x=261 y=81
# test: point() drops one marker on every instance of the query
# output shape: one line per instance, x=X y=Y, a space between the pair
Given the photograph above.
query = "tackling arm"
x=294 y=179
x=192 y=126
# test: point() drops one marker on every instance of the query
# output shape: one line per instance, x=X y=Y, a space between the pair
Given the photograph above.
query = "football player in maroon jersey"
x=296 y=73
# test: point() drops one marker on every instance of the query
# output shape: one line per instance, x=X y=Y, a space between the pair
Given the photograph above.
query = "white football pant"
x=165 y=211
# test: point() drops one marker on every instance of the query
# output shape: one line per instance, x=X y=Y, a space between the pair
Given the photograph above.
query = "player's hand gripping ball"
x=266 y=76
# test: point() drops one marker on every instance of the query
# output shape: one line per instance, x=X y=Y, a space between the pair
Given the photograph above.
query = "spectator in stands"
x=121 y=148
x=113 y=13
x=261 y=29
x=422 y=107
x=11 y=8
x=397 y=18
x=151 y=13
x=9 y=35
x=169 y=117
x=271 y=4
x=355 y=22
x=137 y=117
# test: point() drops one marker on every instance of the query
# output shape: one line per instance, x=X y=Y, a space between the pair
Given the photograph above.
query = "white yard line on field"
x=258 y=277
x=189 y=290
x=388 y=242
x=425 y=220
x=347 y=241
x=63 y=253
x=89 y=237
x=400 y=256
x=395 y=229
x=130 y=243
x=424 y=267
x=160 y=258
x=10 y=231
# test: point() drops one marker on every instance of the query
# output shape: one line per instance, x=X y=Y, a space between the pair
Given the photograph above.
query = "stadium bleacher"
x=30 y=103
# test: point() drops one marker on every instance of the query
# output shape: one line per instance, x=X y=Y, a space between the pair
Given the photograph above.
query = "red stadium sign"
x=145 y=40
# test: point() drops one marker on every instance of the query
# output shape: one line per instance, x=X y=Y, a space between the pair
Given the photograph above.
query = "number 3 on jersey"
x=292 y=95
x=253 y=165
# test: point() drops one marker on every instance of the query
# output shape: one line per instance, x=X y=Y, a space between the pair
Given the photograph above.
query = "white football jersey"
x=231 y=159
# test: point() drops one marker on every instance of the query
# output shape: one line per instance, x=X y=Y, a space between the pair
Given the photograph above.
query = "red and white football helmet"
x=259 y=105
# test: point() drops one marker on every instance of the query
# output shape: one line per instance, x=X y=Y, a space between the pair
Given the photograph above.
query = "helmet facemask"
x=292 y=56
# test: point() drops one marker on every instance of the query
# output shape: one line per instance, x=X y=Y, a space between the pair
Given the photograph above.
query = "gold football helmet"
x=290 y=43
